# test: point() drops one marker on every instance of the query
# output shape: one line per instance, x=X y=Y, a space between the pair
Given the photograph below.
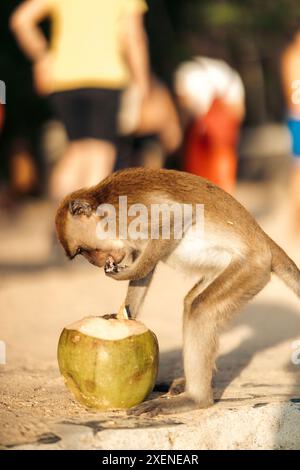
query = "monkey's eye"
x=79 y=251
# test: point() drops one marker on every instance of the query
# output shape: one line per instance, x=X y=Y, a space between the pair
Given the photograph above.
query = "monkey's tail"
x=285 y=268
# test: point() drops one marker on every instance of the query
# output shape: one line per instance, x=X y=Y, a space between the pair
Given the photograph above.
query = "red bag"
x=2 y=112
x=210 y=146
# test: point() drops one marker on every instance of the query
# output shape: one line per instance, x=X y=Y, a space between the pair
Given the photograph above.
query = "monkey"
x=232 y=259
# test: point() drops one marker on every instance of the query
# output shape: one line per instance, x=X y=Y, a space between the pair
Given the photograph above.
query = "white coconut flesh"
x=108 y=329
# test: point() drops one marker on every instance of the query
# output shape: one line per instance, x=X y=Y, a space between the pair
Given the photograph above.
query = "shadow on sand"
x=269 y=324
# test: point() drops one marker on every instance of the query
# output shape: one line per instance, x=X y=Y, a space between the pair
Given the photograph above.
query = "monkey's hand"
x=115 y=270
x=143 y=263
x=170 y=405
x=126 y=270
x=111 y=267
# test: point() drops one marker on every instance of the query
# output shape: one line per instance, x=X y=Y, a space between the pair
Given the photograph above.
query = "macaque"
x=232 y=258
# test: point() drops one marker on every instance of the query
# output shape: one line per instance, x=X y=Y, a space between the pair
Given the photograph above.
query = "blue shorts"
x=294 y=128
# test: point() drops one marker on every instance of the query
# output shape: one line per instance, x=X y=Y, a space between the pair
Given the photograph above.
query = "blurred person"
x=154 y=117
x=20 y=164
x=290 y=71
x=96 y=48
x=212 y=95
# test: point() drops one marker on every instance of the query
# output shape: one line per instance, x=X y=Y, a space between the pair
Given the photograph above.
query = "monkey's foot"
x=169 y=405
x=177 y=386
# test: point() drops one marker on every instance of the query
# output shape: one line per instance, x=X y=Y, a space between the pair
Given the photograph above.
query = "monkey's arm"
x=136 y=294
x=154 y=251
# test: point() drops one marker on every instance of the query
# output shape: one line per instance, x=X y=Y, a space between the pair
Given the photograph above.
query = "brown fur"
x=245 y=257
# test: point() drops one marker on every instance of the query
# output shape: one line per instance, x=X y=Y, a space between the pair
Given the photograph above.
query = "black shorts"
x=88 y=112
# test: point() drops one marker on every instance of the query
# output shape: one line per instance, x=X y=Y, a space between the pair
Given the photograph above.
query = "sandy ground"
x=37 y=299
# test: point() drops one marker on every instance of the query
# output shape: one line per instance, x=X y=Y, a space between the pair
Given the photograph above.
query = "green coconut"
x=110 y=363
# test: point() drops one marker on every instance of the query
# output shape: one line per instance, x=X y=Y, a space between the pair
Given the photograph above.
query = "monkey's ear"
x=80 y=207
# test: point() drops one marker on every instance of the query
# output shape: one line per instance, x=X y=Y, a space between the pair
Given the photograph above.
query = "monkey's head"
x=76 y=225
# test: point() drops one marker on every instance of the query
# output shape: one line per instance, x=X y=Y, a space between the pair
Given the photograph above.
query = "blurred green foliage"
x=271 y=16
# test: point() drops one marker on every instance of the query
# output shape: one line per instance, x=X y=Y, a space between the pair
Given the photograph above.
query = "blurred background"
x=249 y=36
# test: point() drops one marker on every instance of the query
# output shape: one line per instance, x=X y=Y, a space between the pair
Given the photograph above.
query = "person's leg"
x=65 y=175
x=85 y=163
x=88 y=157
x=98 y=161
x=100 y=144
x=89 y=116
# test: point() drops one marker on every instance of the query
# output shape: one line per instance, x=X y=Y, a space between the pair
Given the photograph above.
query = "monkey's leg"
x=136 y=293
x=204 y=315
x=178 y=385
